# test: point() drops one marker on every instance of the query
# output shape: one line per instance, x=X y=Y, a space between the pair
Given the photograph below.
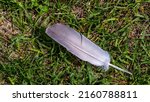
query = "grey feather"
x=80 y=46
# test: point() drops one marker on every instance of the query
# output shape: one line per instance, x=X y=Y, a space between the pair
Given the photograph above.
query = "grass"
x=29 y=56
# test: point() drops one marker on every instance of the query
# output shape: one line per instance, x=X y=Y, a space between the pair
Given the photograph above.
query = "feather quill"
x=80 y=46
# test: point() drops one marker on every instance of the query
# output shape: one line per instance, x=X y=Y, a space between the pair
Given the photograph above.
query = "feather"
x=80 y=46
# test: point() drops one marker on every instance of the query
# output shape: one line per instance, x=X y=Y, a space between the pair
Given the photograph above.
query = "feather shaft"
x=120 y=69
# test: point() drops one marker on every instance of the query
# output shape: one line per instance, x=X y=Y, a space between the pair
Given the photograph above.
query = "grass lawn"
x=29 y=56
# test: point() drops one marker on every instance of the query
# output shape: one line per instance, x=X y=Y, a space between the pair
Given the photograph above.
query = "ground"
x=29 y=56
